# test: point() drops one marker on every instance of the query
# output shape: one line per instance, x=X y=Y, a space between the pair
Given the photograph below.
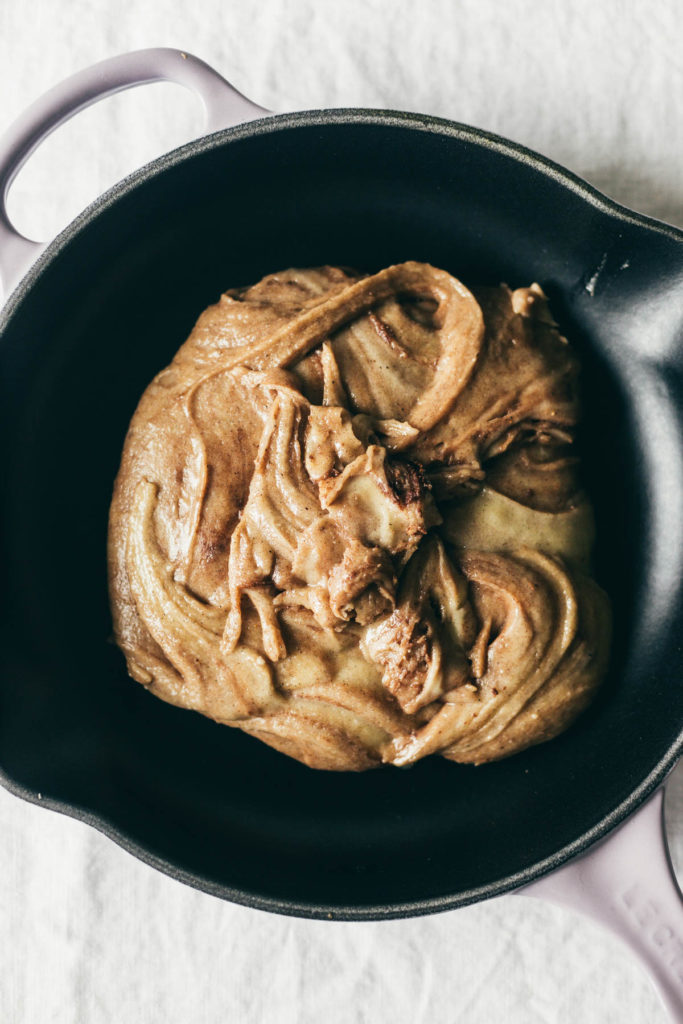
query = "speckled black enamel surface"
x=110 y=302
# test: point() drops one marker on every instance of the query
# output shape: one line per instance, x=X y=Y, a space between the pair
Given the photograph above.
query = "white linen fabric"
x=88 y=935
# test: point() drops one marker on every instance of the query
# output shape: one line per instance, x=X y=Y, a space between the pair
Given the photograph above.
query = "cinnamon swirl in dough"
x=348 y=522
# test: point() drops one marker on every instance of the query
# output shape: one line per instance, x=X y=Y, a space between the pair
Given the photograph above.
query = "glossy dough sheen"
x=347 y=521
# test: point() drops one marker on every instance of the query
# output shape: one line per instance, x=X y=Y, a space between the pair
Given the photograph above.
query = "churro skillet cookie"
x=347 y=521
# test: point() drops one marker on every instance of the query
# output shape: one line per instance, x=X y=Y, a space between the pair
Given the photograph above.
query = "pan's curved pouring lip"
x=275 y=127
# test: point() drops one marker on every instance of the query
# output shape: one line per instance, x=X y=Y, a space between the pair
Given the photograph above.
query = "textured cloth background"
x=87 y=934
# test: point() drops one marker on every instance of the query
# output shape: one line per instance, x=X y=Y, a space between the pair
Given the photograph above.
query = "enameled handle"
x=627 y=883
x=223 y=104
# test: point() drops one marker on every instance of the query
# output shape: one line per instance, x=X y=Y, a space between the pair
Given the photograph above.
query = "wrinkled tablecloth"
x=88 y=935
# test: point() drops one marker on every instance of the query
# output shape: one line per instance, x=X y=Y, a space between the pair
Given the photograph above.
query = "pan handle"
x=223 y=104
x=627 y=884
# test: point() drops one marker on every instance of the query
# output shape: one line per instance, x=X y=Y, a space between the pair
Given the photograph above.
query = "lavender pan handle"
x=223 y=104
x=627 y=884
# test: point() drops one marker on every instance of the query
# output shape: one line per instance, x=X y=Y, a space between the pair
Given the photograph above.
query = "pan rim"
x=343 y=116
x=270 y=125
x=512 y=883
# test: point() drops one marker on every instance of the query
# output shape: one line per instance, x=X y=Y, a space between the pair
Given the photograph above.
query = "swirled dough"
x=348 y=521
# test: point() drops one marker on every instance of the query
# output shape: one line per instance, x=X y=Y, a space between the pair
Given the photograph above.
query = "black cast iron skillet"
x=107 y=305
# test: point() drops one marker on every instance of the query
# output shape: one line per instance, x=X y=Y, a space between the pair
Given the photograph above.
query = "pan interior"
x=112 y=307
